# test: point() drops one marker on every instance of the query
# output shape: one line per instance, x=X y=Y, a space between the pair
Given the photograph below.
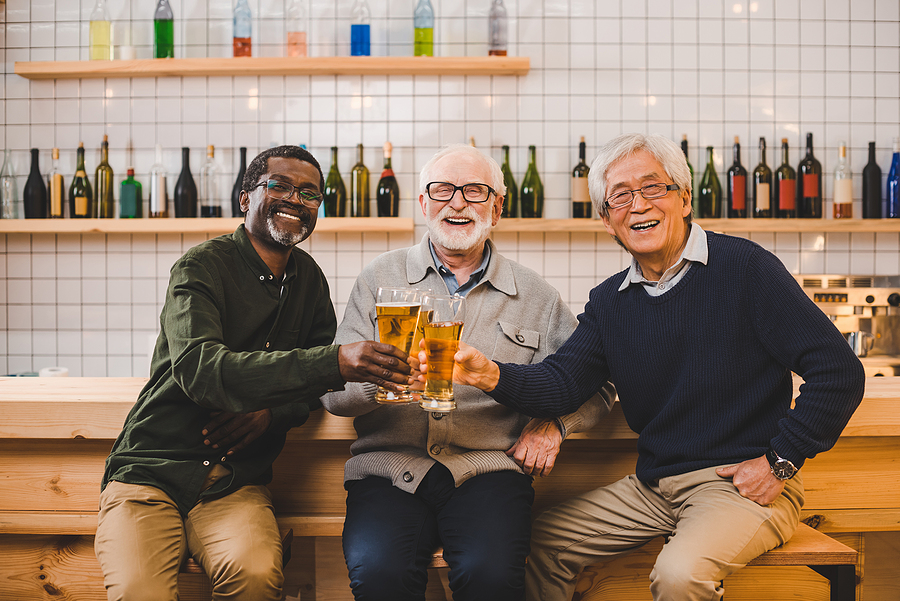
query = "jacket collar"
x=499 y=271
x=255 y=262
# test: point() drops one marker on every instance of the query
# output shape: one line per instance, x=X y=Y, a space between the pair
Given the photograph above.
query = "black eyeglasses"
x=650 y=191
x=444 y=191
x=280 y=190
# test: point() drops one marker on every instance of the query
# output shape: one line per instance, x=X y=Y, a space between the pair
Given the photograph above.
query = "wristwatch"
x=781 y=468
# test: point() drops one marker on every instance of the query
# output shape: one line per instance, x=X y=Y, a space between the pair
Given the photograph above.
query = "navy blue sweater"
x=703 y=372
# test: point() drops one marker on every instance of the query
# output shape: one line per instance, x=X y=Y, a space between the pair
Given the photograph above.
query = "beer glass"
x=443 y=318
x=396 y=313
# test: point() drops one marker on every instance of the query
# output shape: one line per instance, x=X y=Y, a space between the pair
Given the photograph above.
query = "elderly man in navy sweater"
x=700 y=336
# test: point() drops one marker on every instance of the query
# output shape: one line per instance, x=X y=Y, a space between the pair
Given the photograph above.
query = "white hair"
x=664 y=150
x=493 y=168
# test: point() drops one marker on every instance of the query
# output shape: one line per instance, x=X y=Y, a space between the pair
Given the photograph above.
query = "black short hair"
x=260 y=164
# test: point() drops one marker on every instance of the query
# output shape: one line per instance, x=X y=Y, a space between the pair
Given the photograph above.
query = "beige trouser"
x=711 y=532
x=142 y=540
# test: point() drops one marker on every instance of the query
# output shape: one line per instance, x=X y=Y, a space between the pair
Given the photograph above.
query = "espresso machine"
x=866 y=310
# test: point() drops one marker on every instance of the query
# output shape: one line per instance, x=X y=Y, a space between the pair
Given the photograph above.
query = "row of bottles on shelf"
x=790 y=193
x=297 y=25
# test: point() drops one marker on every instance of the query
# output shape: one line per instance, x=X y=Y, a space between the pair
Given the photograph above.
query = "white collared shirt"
x=695 y=251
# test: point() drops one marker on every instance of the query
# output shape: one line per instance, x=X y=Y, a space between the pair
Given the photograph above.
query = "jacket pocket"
x=515 y=344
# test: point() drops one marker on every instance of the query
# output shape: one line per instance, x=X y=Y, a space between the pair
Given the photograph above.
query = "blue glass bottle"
x=893 y=184
x=243 y=25
x=359 y=29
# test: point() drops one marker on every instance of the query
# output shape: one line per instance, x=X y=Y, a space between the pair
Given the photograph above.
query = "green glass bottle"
x=511 y=202
x=131 y=197
x=335 y=202
x=163 y=31
x=532 y=188
x=710 y=194
x=105 y=206
x=359 y=187
x=81 y=197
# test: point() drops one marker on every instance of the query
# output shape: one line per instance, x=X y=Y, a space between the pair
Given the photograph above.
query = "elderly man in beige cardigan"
x=462 y=480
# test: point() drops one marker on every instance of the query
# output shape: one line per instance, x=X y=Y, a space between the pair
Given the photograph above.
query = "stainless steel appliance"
x=866 y=309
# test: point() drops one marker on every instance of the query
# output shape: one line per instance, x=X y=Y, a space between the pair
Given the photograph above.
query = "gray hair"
x=664 y=150
x=493 y=168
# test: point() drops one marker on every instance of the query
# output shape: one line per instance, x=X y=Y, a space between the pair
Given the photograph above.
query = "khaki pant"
x=711 y=531
x=142 y=540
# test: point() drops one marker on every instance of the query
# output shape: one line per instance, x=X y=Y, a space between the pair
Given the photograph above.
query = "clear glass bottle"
x=131 y=197
x=210 y=197
x=498 y=29
x=9 y=192
x=243 y=27
x=297 y=28
x=159 y=194
x=423 y=20
x=511 y=202
x=360 y=44
x=842 y=205
x=105 y=206
x=359 y=187
x=56 y=187
x=100 y=33
x=532 y=198
x=163 y=31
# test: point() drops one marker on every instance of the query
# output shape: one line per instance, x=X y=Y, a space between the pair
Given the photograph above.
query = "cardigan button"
x=206 y=463
x=262 y=278
x=520 y=338
x=436 y=415
x=435 y=450
x=407 y=477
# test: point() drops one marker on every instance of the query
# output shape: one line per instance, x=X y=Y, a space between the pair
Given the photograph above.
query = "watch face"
x=783 y=469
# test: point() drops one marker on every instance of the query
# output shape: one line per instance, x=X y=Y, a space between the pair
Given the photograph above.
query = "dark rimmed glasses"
x=444 y=191
x=280 y=190
x=650 y=192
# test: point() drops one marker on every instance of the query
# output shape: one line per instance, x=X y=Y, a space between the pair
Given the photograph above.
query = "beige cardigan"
x=512 y=315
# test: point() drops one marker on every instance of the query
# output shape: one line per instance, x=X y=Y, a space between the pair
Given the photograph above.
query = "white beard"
x=283 y=237
x=458 y=240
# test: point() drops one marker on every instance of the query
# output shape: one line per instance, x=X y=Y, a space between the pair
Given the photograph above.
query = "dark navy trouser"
x=484 y=527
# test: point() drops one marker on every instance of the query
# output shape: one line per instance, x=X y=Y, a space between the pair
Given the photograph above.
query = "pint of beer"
x=443 y=328
x=397 y=313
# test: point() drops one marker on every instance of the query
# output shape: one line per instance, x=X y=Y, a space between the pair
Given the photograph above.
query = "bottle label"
x=580 y=190
x=810 y=185
x=739 y=192
x=158 y=194
x=843 y=191
x=762 y=196
x=81 y=205
x=787 y=193
x=56 y=195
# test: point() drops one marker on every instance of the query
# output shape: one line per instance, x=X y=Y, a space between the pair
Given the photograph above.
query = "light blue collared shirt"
x=695 y=251
x=453 y=286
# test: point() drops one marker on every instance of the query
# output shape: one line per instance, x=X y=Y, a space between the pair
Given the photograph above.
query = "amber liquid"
x=241 y=46
x=441 y=344
x=396 y=326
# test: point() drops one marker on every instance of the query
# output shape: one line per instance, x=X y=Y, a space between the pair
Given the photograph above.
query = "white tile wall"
x=706 y=68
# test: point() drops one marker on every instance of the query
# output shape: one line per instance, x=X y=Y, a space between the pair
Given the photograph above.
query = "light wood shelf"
x=217 y=226
x=326 y=65
x=716 y=225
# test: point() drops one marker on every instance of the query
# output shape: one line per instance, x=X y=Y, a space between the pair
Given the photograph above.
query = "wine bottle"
x=388 y=193
x=81 y=197
x=210 y=198
x=511 y=202
x=498 y=29
x=297 y=28
x=892 y=208
x=581 y=198
x=56 y=187
x=359 y=29
x=243 y=27
x=239 y=185
x=809 y=183
x=359 y=187
x=762 y=185
x=335 y=202
x=185 y=188
x=131 y=197
x=100 y=33
x=163 y=31
x=159 y=194
x=786 y=186
x=684 y=149
x=34 y=196
x=842 y=203
x=871 y=187
x=105 y=206
x=8 y=190
x=710 y=193
x=423 y=36
x=737 y=185
x=532 y=199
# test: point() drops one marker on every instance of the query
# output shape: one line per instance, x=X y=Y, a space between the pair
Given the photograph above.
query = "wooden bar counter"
x=55 y=434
